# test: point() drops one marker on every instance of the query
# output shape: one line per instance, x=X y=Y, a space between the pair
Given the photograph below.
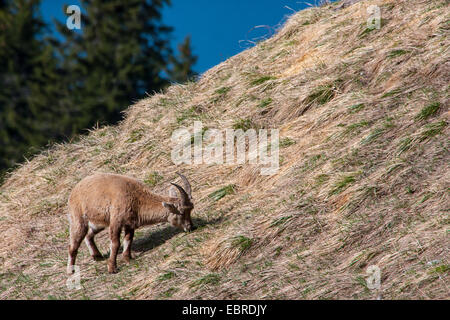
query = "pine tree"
x=182 y=64
x=119 y=55
x=28 y=82
x=50 y=90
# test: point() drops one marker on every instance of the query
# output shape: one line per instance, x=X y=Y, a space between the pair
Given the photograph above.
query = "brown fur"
x=118 y=202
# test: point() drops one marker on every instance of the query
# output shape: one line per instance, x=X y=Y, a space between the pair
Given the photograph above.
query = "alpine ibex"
x=120 y=202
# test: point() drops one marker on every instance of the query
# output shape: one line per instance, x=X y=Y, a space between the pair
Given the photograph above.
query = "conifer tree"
x=182 y=64
x=28 y=82
x=51 y=90
x=118 y=57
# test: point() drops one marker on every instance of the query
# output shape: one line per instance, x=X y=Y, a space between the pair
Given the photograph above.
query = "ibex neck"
x=151 y=210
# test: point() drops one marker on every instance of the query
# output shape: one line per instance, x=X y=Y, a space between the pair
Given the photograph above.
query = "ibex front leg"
x=114 y=233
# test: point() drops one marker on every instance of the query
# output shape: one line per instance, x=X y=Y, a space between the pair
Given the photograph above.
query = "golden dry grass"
x=365 y=183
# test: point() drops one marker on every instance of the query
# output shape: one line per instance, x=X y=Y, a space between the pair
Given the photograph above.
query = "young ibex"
x=120 y=202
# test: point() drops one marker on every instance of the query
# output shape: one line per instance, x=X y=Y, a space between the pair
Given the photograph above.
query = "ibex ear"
x=171 y=208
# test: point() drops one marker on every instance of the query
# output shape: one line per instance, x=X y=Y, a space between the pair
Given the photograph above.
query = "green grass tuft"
x=356 y=107
x=166 y=276
x=355 y=126
x=342 y=184
x=396 y=53
x=243 y=124
x=441 y=269
x=261 y=80
x=428 y=111
x=241 y=242
x=321 y=179
x=169 y=292
x=391 y=93
x=135 y=135
x=220 y=93
x=223 y=90
x=264 y=103
x=286 y=142
x=375 y=134
x=404 y=145
x=280 y=221
x=191 y=113
x=323 y=94
x=212 y=278
x=222 y=192
x=433 y=129
x=153 y=179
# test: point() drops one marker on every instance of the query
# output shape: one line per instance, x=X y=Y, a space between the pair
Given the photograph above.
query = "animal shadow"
x=156 y=238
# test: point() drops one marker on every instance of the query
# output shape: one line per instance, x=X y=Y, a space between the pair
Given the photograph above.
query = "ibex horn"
x=187 y=185
x=184 y=196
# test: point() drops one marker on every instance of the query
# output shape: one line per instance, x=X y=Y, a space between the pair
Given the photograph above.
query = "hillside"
x=363 y=179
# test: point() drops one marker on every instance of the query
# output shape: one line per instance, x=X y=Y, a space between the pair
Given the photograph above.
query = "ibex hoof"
x=98 y=257
x=70 y=270
x=127 y=259
x=112 y=270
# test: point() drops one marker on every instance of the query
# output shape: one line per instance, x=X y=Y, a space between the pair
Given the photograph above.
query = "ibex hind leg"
x=78 y=230
x=89 y=240
x=127 y=242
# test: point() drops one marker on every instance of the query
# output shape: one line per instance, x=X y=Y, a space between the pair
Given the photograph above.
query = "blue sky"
x=217 y=28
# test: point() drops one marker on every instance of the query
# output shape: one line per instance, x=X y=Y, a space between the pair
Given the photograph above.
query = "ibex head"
x=180 y=211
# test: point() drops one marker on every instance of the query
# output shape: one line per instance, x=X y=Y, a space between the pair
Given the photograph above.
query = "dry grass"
x=364 y=176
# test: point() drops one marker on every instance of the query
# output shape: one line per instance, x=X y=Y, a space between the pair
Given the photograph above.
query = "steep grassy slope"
x=363 y=180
